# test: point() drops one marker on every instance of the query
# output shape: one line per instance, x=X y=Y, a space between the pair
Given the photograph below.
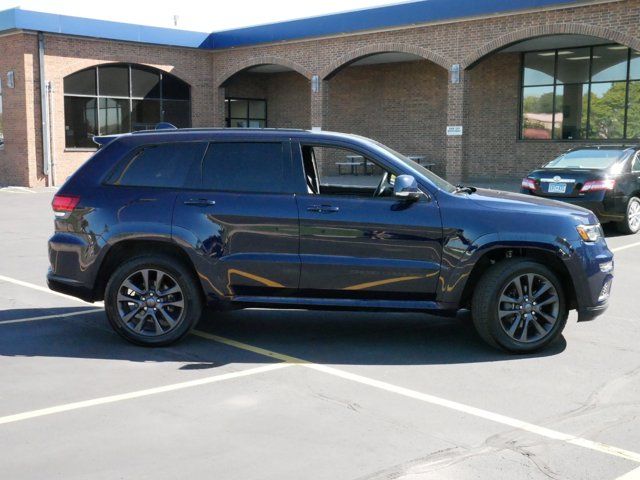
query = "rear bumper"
x=69 y=287
x=607 y=208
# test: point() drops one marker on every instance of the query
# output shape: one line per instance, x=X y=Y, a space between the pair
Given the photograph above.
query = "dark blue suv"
x=160 y=223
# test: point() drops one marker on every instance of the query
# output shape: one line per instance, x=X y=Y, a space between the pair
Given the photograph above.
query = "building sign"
x=454 y=130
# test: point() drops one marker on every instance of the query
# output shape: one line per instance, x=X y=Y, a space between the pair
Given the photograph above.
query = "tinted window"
x=635 y=166
x=114 y=81
x=245 y=167
x=165 y=165
x=81 y=83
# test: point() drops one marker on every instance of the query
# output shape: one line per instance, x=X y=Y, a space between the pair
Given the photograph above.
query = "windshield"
x=588 y=158
x=435 y=179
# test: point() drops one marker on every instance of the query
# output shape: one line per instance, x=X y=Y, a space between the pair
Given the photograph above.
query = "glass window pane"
x=238 y=108
x=79 y=122
x=633 y=113
x=114 y=80
x=571 y=112
x=238 y=123
x=177 y=113
x=537 y=112
x=145 y=114
x=634 y=68
x=81 y=83
x=258 y=109
x=257 y=123
x=113 y=116
x=166 y=165
x=573 y=65
x=606 y=117
x=609 y=63
x=174 y=88
x=145 y=83
x=244 y=167
x=539 y=68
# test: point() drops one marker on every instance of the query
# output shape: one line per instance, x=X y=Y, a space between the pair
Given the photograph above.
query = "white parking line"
x=432 y=399
x=624 y=247
x=50 y=317
x=140 y=393
x=290 y=360
x=45 y=289
x=632 y=475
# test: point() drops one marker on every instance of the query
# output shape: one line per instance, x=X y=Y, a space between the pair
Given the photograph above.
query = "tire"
x=168 y=312
x=494 y=327
x=631 y=222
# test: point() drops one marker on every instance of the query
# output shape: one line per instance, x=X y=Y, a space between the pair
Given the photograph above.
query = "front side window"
x=120 y=98
x=246 y=113
x=252 y=167
x=581 y=93
x=168 y=165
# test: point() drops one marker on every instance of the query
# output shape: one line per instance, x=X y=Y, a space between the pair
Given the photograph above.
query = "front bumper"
x=591 y=268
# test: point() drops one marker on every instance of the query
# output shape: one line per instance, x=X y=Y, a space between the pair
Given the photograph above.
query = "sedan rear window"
x=595 y=159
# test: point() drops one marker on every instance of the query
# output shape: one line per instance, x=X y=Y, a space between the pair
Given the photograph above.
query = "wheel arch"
x=129 y=248
x=544 y=255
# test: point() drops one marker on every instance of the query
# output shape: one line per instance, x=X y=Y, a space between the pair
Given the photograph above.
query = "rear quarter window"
x=167 y=165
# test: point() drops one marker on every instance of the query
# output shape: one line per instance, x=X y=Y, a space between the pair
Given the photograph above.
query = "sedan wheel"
x=631 y=223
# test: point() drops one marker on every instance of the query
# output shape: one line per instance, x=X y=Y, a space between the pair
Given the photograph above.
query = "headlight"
x=590 y=233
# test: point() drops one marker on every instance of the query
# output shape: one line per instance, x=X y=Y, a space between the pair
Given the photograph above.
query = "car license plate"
x=557 y=188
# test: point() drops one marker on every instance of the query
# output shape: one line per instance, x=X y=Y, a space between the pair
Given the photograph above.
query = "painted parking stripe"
x=624 y=247
x=434 y=400
x=290 y=360
x=50 y=317
x=632 y=475
x=140 y=393
x=44 y=289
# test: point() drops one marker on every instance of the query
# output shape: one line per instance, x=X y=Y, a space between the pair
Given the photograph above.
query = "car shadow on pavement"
x=327 y=337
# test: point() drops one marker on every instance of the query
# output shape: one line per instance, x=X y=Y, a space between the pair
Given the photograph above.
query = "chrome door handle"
x=199 y=202
x=323 y=209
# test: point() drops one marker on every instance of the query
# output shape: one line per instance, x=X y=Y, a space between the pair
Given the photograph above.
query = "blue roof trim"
x=423 y=11
x=52 y=23
x=403 y=14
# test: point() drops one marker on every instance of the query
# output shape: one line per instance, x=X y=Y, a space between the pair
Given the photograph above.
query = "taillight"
x=595 y=185
x=529 y=183
x=64 y=203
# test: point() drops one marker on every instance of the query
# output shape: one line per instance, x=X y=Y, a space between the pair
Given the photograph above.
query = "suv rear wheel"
x=631 y=222
x=152 y=300
x=519 y=306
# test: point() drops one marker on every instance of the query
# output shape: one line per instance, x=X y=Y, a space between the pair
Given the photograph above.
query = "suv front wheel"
x=152 y=300
x=519 y=306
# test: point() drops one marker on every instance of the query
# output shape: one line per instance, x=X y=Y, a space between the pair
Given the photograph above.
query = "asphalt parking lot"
x=260 y=394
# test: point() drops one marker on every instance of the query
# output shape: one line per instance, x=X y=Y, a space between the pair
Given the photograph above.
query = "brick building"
x=525 y=80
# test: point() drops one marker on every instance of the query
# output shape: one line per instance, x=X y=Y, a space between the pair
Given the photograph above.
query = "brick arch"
x=75 y=68
x=261 y=60
x=375 y=48
x=549 y=29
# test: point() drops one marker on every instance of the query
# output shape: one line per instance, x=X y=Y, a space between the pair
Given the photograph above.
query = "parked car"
x=160 y=223
x=604 y=179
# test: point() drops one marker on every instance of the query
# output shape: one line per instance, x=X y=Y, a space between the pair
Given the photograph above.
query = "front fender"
x=459 y=258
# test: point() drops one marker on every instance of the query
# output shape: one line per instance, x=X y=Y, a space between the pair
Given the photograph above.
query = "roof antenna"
x=175 y=20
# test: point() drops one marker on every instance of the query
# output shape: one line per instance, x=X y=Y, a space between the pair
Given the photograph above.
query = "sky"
x=212 y=15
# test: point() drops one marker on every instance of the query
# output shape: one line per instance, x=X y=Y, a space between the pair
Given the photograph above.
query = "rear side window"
x=168 y=165
x=635 y=166
x=245 y=167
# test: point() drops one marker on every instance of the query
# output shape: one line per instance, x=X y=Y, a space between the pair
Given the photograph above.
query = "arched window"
x=120 y=98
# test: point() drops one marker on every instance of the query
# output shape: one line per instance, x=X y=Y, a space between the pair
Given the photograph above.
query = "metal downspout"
x=44 y=110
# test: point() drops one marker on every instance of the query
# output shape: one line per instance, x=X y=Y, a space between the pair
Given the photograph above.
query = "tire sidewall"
x=497 y=332
x=627 y=220
x=192 y=302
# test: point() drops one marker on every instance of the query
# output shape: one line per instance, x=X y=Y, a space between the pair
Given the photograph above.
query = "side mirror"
x=406 y=188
